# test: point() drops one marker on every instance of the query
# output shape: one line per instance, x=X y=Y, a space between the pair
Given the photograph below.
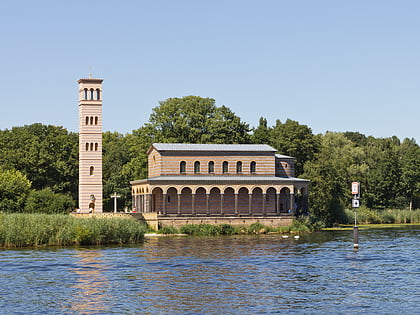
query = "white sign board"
x=355 y=203
x=355 y=188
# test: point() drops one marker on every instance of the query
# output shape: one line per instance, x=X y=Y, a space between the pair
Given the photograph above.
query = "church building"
x=211 y=180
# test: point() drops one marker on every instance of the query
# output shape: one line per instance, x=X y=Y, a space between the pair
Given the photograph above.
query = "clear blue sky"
x=332 y=65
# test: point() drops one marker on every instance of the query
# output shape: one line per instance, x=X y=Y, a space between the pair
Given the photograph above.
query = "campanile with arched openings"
x=90 y=145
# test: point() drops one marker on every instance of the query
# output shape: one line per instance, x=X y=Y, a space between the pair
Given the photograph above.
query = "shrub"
x=168 y=230
x=46 y=201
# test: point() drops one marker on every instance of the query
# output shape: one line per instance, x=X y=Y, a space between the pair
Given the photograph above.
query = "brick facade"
x=219 y=180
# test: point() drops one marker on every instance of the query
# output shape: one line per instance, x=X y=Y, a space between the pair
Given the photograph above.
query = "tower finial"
x=90 y=73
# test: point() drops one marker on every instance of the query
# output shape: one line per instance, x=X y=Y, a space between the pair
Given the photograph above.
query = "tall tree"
x=261 y=133
x=115 y=156
x=193 y=119
x=46 y=155
x=294 y=139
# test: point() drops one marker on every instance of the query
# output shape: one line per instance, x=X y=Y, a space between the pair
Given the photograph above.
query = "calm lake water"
x=265 y=274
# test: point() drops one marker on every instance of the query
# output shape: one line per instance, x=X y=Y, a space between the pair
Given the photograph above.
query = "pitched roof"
x=281 y=156
x=213 y=147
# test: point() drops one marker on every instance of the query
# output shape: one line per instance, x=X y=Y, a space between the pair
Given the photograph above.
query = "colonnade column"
x=264 y=196
x=221 y=204
x=250 y=203
x=179 y=204
x=149 y=202
x=192 y=204
x=207 y=204
x=236 y=203
x=164 y=198
x=278 y=203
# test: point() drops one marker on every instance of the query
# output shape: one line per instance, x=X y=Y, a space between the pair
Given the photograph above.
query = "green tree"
x=115 y=156
x=334 y=167
x=294 y=139
x=46 y=155
x=410 y=170
x=261 y=134
x=14 y=188
x=46 y=201
x=193 y=119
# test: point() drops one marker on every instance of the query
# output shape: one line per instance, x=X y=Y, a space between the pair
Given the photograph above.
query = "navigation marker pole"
x=355 y=203
x=115 y=196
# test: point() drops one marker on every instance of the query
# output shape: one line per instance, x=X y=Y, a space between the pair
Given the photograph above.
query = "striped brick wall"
x=90 y=145
x=169 y=164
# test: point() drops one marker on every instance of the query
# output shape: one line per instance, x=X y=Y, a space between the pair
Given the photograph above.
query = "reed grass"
x=22 y=230
x=389 y=216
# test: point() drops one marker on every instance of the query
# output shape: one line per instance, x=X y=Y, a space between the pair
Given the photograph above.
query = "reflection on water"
x=267 y=274
x=91 y=284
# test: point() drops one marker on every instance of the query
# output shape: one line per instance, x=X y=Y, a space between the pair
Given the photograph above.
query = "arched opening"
x=239 y=167
x=284 y=200
x=85 y=95
x=96 y=146
x=98 y=94
x=91 y=146
x=182 y=167
x=257 y=201
x=91 y=120
x=253 y=167
x=225 y=167
x=157 y=200
x=186 y=201
x=243 y=200
x=91 y=206
x=229 y=201
x=270 y=200
x=172 y=201
x=87 y=120
x=91 y=170
x=91 y=94
x=214 y=201
x=200 y=201
x=96 y=120
x=211 y=167
x=196 y=167
x=87 y=146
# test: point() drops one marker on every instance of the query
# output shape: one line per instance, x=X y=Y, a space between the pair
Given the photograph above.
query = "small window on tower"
x=91 y=120
x=96 y=120
x=91 y=170
x=87 y=120
x=98 y=94
x=87 y=146
x=96 y=146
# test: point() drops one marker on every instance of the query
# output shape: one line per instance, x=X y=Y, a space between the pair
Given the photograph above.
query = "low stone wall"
x=154 y=221
x=271 y=221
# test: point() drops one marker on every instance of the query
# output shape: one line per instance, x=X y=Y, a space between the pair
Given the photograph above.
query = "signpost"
x=115 y=196
x=355 y=203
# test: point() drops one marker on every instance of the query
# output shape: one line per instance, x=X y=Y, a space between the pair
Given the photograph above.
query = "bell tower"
x=90 y=145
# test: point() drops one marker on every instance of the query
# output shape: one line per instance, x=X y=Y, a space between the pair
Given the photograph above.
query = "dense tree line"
x=39 y=163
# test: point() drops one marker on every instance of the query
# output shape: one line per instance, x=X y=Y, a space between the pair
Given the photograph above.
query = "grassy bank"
x=298 y=226
x=21 y=230
x=391 y=216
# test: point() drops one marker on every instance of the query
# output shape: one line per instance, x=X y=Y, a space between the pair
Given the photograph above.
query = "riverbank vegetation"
x=41 y=176
x=23 y=230
x=391 y=216
x=298 y=226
